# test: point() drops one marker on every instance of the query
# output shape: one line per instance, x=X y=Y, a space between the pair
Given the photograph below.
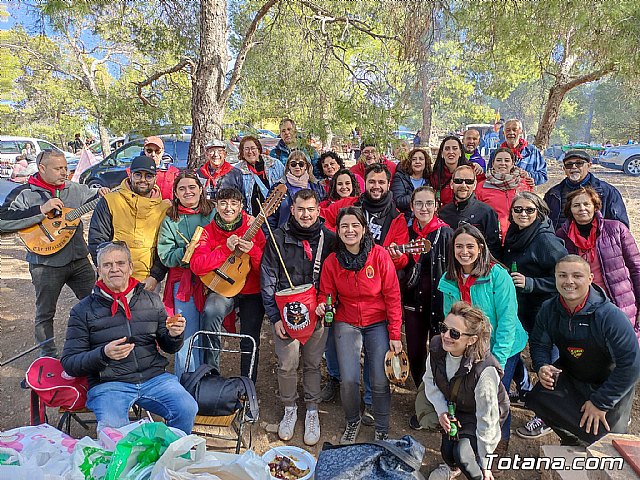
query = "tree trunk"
x=208 y=82
x=550 y=115
x=592 y=107
x=427 y=111
x=104 y=139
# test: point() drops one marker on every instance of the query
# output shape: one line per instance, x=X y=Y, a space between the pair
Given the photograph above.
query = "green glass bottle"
x=514 y=267
x=328 y=312
x=453 y=422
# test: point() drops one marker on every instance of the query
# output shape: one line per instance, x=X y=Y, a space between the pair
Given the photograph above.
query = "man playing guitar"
x=45 y=194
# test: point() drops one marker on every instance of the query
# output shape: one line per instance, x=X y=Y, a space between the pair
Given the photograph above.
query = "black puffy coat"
x=91 y=327
x=536 y=254
x=402 y=189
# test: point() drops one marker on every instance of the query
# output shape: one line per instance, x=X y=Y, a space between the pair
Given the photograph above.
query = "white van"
x=11 y=147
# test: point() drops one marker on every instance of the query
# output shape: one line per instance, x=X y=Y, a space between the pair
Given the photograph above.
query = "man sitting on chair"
x=113 y=337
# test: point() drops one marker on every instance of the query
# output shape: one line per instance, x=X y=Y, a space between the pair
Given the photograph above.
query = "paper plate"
x=301 y=457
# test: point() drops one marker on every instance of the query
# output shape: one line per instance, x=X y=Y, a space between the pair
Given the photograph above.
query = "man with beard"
x=289 y=141
x=369 y=155
x=576 y=164
x=303 y=242
x=217 y=173
x=471 y=141
x=466 y=208
x=133 y=215
x=528 y=157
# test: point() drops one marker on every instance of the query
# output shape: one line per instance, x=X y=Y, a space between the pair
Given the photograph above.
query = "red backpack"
x=51 y=386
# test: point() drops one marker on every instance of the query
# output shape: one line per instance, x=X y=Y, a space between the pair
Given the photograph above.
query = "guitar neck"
x=78 y=212
x=253 y=229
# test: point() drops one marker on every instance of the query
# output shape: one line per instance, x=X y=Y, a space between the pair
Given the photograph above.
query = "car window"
x=48 y=146
x=128 y=153
x=182 y=152
x=9 y=146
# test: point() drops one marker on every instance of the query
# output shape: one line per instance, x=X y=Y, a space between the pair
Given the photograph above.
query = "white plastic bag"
x=229 y=466
x=172 y=458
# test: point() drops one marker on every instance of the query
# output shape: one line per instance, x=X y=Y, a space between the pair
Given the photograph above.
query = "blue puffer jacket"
x=495 y=295
x=599 y=322
x=613 y=207
x=281 y=152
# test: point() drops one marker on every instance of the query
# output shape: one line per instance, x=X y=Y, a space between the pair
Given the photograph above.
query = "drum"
x=297 y=306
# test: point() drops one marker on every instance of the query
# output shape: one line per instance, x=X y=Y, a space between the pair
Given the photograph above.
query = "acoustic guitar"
x=55 y=231
x=228 y=279
x=415 y=247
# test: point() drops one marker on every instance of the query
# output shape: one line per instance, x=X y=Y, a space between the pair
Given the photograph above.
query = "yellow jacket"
x=136 y=220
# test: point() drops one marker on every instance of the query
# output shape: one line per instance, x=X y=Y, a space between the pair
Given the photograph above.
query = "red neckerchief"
x=253 y=170
x=517 y=150
x=577 y=309
x=465 y=287
x=585 y=245
x=38 y=182
x=213 y=178
x=187 y=210
x=307 y=249
x=119 y=297
x=189 y=286
x=434 y=224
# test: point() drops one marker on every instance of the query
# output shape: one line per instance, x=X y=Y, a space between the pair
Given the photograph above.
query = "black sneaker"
x=381 y=435
x=368 y=420
x=330 y=390
x=516 y=400
x=350 y=434
x=414 y=424
x=534 y=428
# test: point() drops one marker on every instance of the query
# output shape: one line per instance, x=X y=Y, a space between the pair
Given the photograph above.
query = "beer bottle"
x=453 y=422
x=328 y=312
x=514 y=267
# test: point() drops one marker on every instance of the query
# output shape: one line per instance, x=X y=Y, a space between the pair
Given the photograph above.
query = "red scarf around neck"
x=216 y=175
x=586 y=246
x=517 y=150
x=252 y=169
x=187 y=210
x=119 y=296
x=465 y=287
x=38 y=182
x=434 y=224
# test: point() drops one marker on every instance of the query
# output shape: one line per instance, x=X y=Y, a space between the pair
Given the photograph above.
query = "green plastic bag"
x=141 y=448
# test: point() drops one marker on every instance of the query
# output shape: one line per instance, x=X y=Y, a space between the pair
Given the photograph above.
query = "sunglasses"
x=152 y=151
x=460 y=181
x=527 y=210
x=578 y=164
x=300 y=164
x=453 y=333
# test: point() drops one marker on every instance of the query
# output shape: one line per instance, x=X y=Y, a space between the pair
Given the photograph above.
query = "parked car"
x=112 y=170
x=11 y=147
x=114 y=143
x=624 y=157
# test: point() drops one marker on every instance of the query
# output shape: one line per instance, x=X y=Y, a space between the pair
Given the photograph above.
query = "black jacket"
x=478 y=214
x=402 y=188
x=272 y=276
x=599 y=322
x=91 y=327
x=536 y=253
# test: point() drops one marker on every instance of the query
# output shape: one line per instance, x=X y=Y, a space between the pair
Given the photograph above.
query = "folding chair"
x=240 y=417
x=64 y=423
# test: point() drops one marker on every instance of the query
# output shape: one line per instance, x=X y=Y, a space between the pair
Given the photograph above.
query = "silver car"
x=624 y=157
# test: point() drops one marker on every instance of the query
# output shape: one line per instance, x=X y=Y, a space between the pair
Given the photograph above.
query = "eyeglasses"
x=460 y=181
x=578 y=164
x=527 y=210
x=216 y=151
x=250 y=149
x=420 y=205
x=152 y=151
x=295 y=164
x=225 y=203
x=453 y=333
x=119 y=243
x=146 y=175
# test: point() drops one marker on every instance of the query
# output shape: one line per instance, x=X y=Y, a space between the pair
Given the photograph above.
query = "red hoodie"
x=212 y=251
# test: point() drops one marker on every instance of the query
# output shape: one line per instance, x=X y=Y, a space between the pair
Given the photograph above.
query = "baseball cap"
x=581 y=154
x=157 y=141
x=215 y=143
x=143 y=163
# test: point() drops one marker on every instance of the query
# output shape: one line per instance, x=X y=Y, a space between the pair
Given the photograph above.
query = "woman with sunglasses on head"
x=343 y=184
x=362 y=280
x=503 y=181
x=450 y=156
x=184 y=293
x=609 y=248
x=462 y=375
x=413 y=172
x=531 y=251
x=259 y=173
x=474 y=276
x=298 y=174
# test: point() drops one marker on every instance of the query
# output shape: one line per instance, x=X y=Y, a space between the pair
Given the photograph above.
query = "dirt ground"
x=16 y=335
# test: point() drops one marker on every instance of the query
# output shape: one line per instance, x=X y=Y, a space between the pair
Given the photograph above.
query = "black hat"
x=577 y=154
x=143 y=163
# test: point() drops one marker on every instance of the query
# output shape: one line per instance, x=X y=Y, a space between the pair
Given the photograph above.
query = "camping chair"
x=203 y=423
x=66 y=416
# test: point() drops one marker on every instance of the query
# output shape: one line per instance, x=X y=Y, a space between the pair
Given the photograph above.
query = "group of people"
x=490 y=267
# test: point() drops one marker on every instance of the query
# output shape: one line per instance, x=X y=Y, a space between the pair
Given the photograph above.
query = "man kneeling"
x=589 y=390
x=111 y=339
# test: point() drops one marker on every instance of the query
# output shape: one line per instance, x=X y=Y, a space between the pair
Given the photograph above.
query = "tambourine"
x=396 y=367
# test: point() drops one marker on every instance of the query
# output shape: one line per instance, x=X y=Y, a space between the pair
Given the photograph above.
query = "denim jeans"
x=333 y=367
x=216 y=307
x=48 y=282
x=509 y=370
x=349 y=343
x=193 y=321
x=162 y=395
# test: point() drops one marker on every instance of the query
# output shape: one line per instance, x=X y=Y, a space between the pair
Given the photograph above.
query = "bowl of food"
x=290 y=463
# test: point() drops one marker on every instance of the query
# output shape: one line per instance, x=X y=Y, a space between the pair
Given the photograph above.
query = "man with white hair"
x=528 y=157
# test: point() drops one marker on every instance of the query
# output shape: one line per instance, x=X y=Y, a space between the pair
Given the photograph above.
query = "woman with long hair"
x=259 y=173
x=450 y=156
x=342 y=185
x=362 y=280
x=184 y=292
x=475 y=277
x=503 y=181
x=413 y=172
x=329 y=163
x=298 y=174
x=463 y=375
x=609 y=248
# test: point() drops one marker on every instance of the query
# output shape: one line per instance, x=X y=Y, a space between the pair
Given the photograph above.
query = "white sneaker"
x=444 y=472
x=311 y=428
x=288 y=423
